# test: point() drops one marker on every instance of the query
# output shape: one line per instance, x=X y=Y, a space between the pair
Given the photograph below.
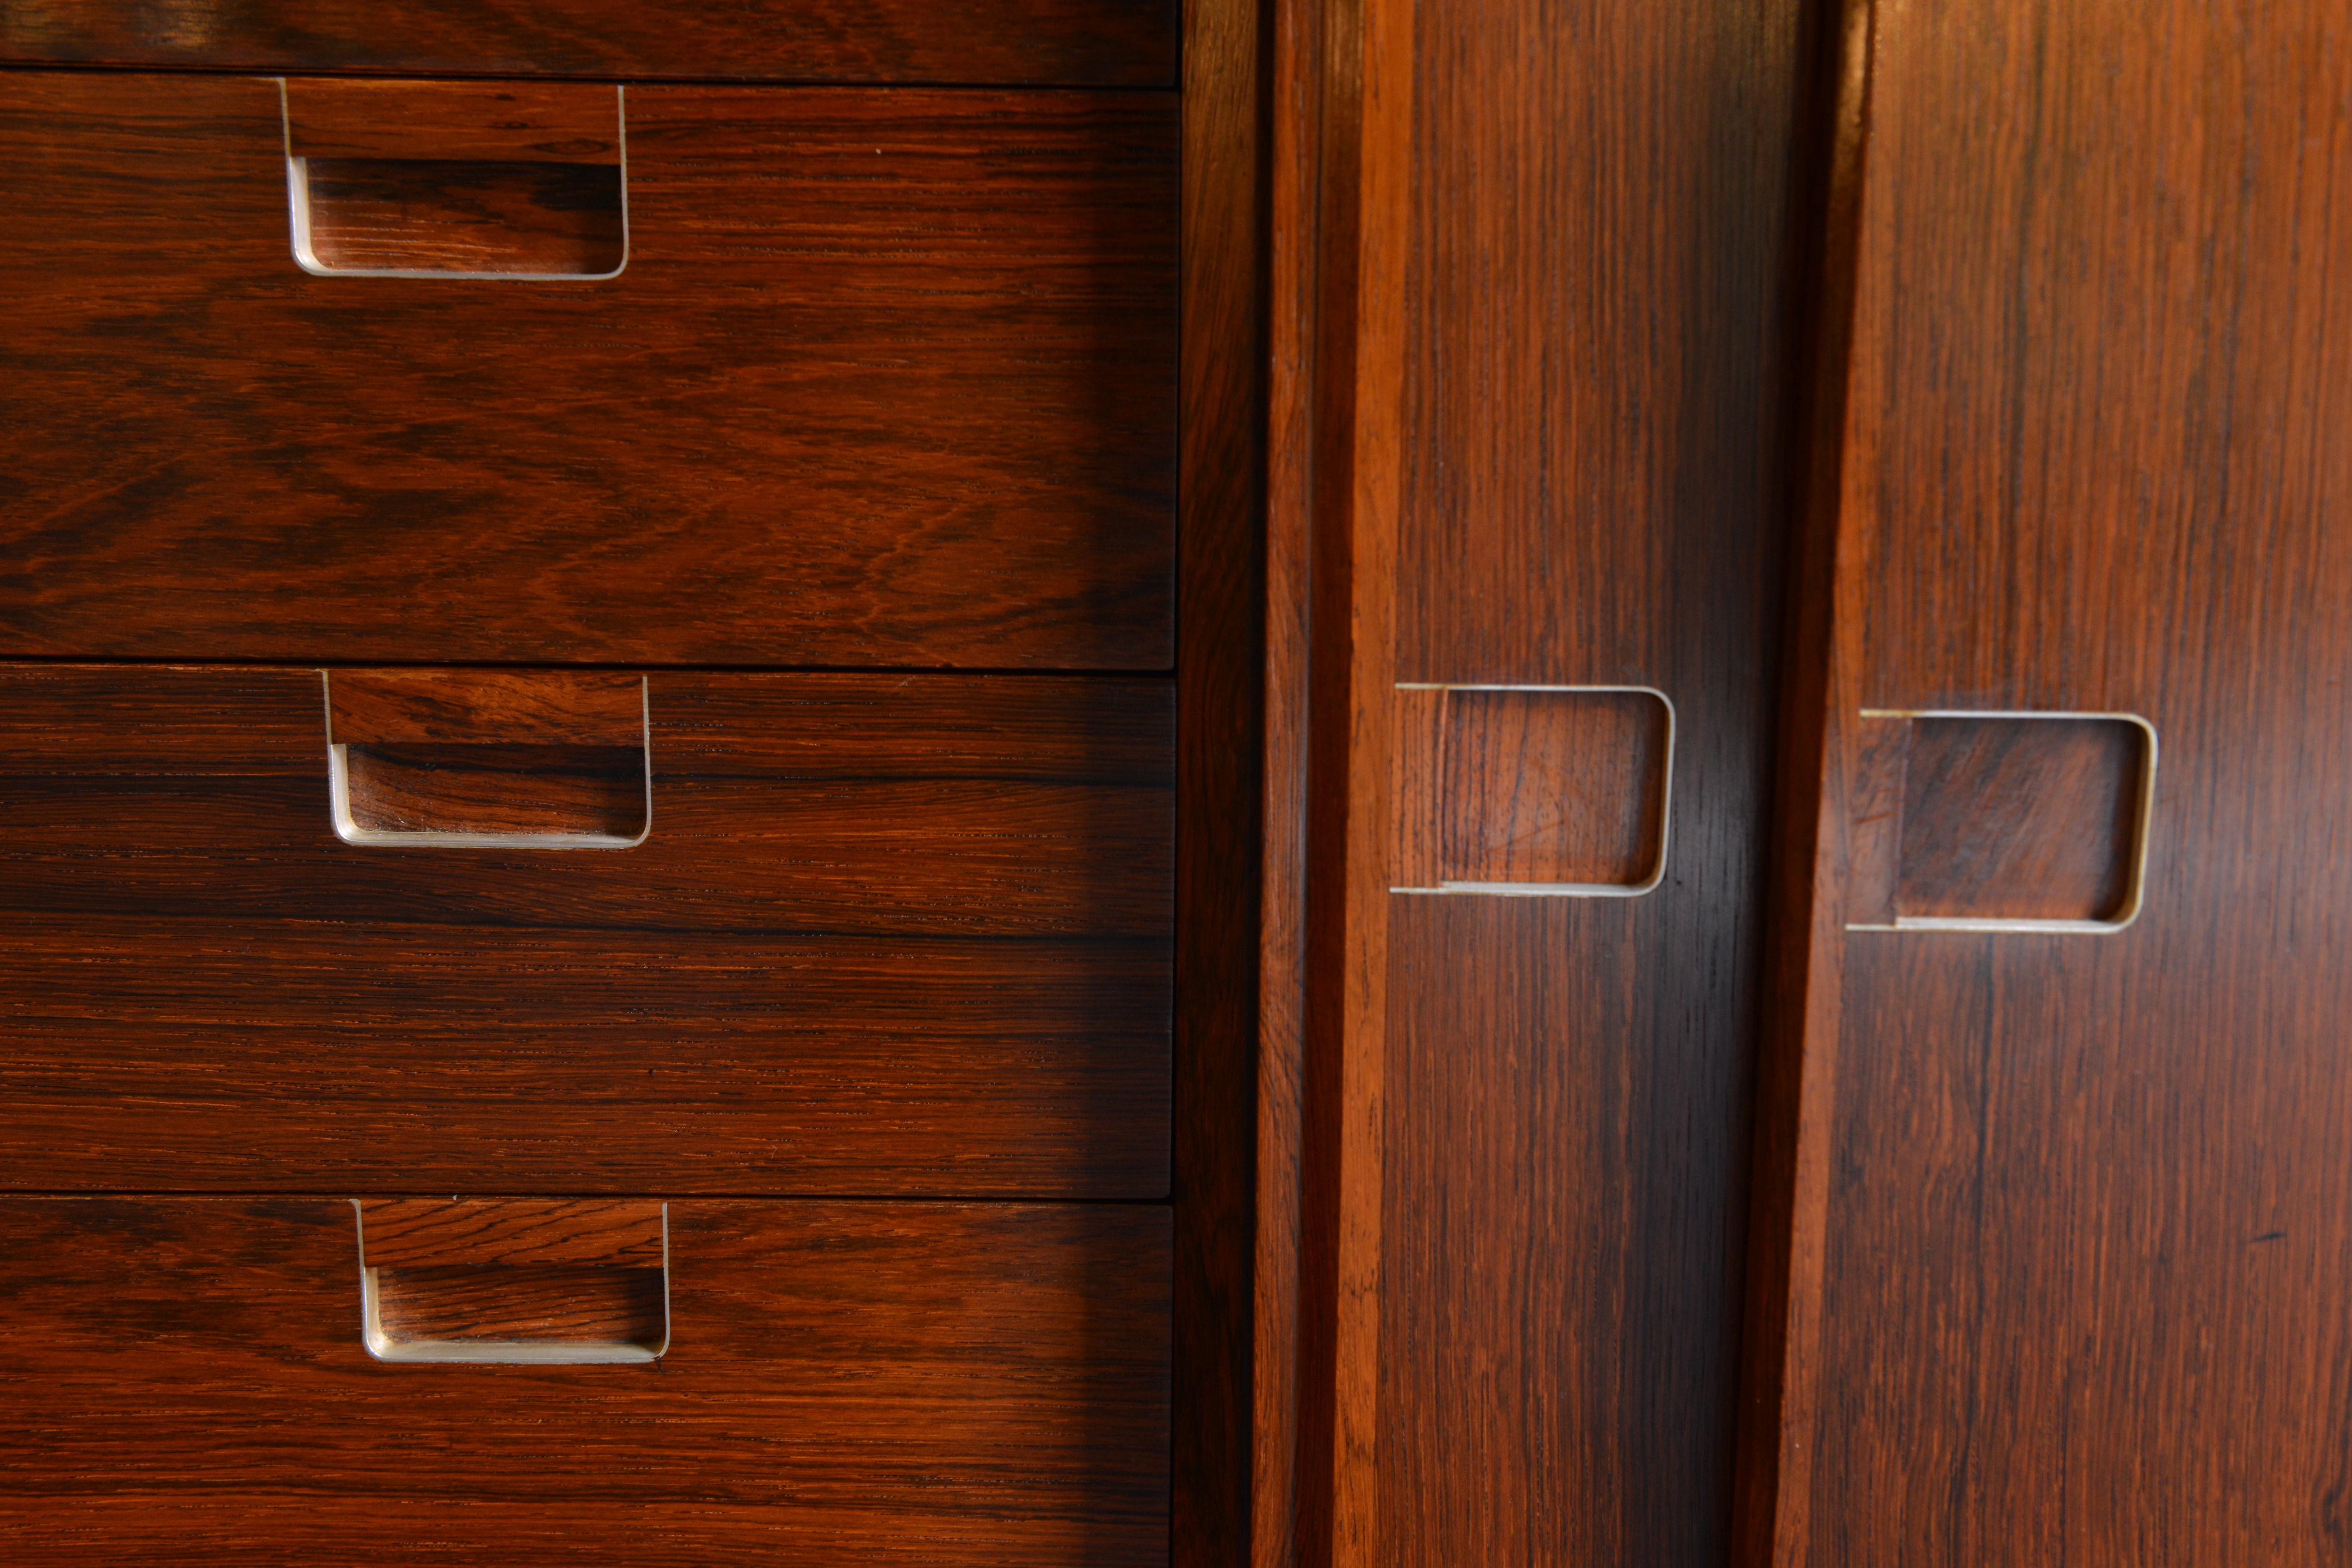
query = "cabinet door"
x=2065 y=1121
x=1536 y=556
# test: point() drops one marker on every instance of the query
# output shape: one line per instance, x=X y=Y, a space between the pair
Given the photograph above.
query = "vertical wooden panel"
x=1219 y=701
x=1543 y=416
x=2083 y=1249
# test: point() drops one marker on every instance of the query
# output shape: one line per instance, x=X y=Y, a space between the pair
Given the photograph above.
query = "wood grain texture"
x=1532 y=787
x=890 y=933
x=1074 y=43
x=485 y=707
x=1814 y=805
x=476 y=751
x=182 y=1380
x=1284 y=1321
x=493 y=122
x=536 y=219
x=1219 y=701
x=2020 y=819
x=2084 y=1252
x=595 y=790
x=436 y=1233
x=1595 y=342
x=890 y=379
x=539 y=1303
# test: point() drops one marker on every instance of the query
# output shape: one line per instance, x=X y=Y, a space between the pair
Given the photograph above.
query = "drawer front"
x=1066 y=42
x=183 y=1380
x=883 y=934
x=887 y=377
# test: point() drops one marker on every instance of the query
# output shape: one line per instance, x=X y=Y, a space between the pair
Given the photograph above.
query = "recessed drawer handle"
x=542 y=1280
x=515 y=181
x=478 y=760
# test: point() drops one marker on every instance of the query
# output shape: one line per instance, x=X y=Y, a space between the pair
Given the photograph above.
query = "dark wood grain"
x=1535 y=349
x=1284 y=1381
x=478 y=751
x=528 y=1303
x=182 y=1380
x=565 y=1271
x=494 y=122
x=2077 y=1293
x=889 y=933
x=1595 y=341
x=486 y=707
x=536 y=219
x=1537 y=788
x=1075 y=43
x=431 y=1233
x=2020 y=819
x=1219 y=697
x=498 y=789
x=890 y=378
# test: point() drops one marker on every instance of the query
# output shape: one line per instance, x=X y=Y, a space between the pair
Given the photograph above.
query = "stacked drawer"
x=589 y=780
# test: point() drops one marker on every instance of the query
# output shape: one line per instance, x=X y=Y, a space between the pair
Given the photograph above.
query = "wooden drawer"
x=1069 y=43
x=885 y=934
x=183 y=1380
x=884 y=377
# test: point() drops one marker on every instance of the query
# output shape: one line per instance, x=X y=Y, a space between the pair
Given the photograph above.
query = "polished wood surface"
x=1074 y=43
x=495 y=122
x=890 y=378
x=1531 y=788
x=2067 y=1252
x=1596 y=340
x=529 y=220
x=475 y=1305
x=417 y=1233
x=560 y=1270
x=486 y=751
x=1219 y=652
x=470 y=177
x=2020 y=819
x=889 y=933
x=1557 y=462
x=181 y=1381
x=485 y=707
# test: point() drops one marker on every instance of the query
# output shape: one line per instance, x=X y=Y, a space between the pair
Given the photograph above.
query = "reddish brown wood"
x=1075 y=43
x=1220 y=640
x=492 y=751
x=1564 y=338
x=1813 y=809
x=182 y=1380
x=2071 y=1266
x=1536 y=787
x=889 y=933
x=577 y=1304
x=486 y=707
x=1339 y=135
x=1293 y=1313
x=421 y=1233
x=890 y=378
x=2020 y=819
x=1596 y=340
x=498 y=789
x=575 y=1271
x=530 y=219
x=495 y=122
